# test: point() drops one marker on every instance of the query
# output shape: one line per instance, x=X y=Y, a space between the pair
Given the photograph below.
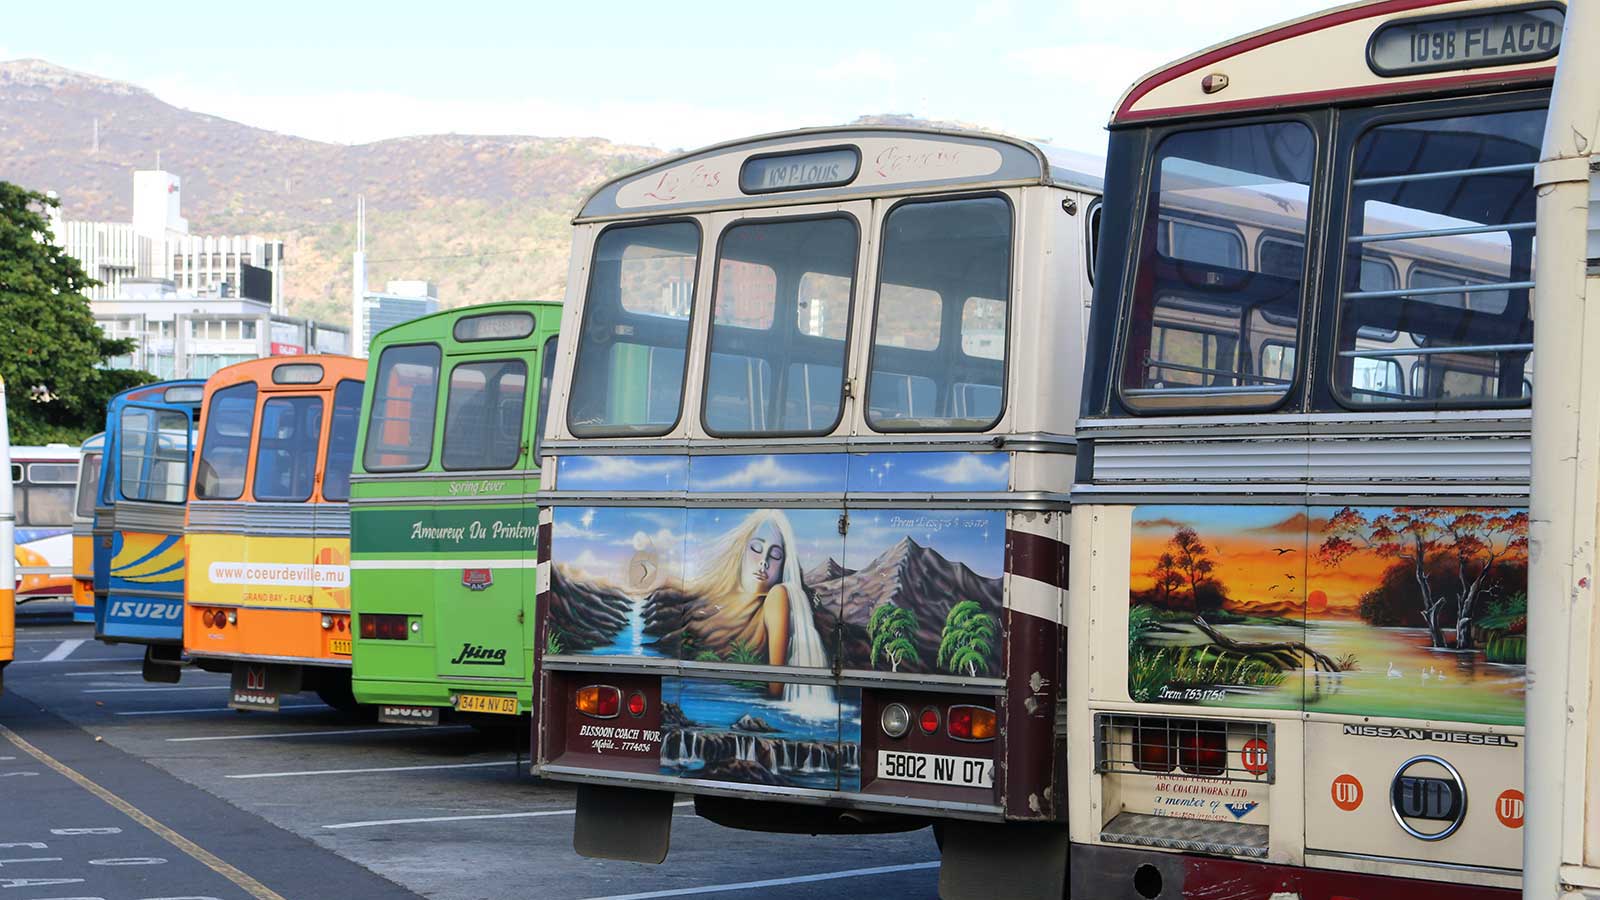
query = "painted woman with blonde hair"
x=752 y=594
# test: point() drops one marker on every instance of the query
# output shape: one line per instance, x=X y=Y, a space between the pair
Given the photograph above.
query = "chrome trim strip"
x=877 y=443
x=809 y=796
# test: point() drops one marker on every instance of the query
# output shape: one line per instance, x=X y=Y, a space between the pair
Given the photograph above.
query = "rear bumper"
x=398 y=692
x=1115 y=873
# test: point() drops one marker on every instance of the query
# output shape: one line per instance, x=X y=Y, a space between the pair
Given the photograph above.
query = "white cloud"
x=566 y=529
x=967 y=470
x=587 y=519
x=610 y=468
x=762 y=472
x=589 y=563
x=991 y=12
x=663 y=540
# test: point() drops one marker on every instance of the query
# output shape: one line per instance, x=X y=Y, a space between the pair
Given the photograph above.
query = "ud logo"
x=1428 y=798
x=255 y=678
x=476 y=579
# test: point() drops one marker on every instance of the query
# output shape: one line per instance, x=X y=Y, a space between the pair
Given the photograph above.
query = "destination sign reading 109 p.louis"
x=1436 y=43
x=796 y=171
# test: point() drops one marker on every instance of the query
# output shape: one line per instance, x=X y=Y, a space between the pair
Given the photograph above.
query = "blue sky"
x=663 y=74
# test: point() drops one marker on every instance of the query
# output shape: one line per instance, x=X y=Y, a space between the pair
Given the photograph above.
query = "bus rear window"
x=225 y=448
x=547 y=377
x=777 y=345
x=400 y=423
x=940 y=332
x=155 y=455
x=628 y=377
x=88 y=484
x=1210 y=327
x=483 y=414
x=341 y=452
x=42 y=506
x=1452 y=202
x=286 y=452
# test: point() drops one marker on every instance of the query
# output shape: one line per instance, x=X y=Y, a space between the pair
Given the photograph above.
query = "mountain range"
x=485 y=217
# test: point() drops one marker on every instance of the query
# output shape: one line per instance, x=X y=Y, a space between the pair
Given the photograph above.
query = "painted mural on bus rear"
x=1370 y=610
x=911 y=591
x=804 y=558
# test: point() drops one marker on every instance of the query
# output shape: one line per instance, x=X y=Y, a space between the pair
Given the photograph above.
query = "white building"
x=157 y=244
x=183 y=336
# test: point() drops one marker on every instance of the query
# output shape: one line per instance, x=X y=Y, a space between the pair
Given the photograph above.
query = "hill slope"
x=491 y=212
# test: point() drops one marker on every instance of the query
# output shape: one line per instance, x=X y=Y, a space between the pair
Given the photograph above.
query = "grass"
x=1151 y=670
x=1507 y=648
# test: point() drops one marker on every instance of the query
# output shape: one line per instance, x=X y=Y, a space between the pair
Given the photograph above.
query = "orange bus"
x=267 y=593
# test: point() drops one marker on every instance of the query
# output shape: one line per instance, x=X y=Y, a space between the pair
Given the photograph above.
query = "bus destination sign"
x=830 y=167
x=1468 y=41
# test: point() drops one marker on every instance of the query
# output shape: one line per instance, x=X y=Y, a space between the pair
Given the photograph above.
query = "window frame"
x=522 y=420
x=369 y=402
x=1320 y=124
x=548 y=359
x=1329 y=396
x=249 y=440
x=324 y=401
x=327 y=447
x=849 y=327
x=877 y=297
x=188 y=451
x=603 y=432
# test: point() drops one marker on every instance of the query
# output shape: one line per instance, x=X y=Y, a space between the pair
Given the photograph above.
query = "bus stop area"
x=116 y=788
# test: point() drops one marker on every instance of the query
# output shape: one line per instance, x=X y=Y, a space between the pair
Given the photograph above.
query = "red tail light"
x=342 y=623
x=382 y=627
x=1203 y=749
x=209 y=618
x=971 y=723
x=1152 y=746
x=599 y=701
x=929 y=721
x=637 y=704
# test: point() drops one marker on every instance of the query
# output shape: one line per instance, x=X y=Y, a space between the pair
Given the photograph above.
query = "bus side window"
x=941 y=326
x=483 y=415
x=547 y=375
x=628 y=376
x=1452 y=198
x=225 y=447
x=341 y=453
x=286 y=451
x=780 y=316
x=400 y=422
x=155 y=455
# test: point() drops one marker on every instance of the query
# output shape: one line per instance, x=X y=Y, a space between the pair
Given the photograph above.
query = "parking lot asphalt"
x=310 y=802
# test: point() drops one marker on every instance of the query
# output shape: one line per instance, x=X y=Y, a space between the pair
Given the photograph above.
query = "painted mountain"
x=582 y=615
x=928 y=604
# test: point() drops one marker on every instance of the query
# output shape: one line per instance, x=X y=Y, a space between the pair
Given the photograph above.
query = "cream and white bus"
x=1300 y=637
x=803 y=497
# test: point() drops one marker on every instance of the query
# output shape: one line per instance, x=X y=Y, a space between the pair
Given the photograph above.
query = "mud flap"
x=163 y=665
x=623 y=823
x=1018 y=862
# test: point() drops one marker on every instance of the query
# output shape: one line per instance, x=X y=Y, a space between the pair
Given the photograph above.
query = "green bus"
x=443 y=518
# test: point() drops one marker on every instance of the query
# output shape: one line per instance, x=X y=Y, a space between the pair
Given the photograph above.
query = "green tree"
x=969 y=640
x=51 y=349
x=892 y=631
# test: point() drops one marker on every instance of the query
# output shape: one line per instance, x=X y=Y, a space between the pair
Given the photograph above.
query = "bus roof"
x=431 y=327
x=47 y=453
x=188 y=389
x=93 y=443
x=886 y=160
x=333 y=369
x=1265 y=70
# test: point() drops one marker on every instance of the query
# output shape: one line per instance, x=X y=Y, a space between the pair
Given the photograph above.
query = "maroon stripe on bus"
x=543 y=545
x=1037 y=557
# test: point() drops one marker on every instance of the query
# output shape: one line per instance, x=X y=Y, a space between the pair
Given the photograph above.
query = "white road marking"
x=100 y=674
x=133 y=690
x=773 y=882
x=61 y=652
x=516 y=815
x=209 y=709
x=288 y=734
x=504 y=762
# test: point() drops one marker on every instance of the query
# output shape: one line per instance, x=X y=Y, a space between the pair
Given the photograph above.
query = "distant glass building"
x=400 y=302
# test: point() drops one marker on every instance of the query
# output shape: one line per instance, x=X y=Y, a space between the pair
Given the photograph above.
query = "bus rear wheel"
x=338 y=693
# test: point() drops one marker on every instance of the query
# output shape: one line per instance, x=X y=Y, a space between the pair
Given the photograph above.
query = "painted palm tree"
x=892 y=631
x=970 y=639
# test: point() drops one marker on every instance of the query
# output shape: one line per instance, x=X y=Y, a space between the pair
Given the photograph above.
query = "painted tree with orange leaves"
x=1470 y=541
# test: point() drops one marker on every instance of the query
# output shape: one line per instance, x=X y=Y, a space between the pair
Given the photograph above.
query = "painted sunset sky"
x=1245 y=541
